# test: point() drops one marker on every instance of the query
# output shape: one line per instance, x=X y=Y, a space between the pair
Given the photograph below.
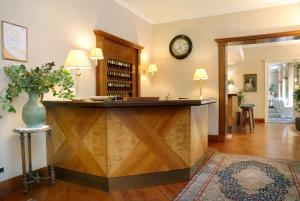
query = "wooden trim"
x=131 y=182
x=222 y=92
x=262 y=38
x=222 y=43
x=213 y=138
x=129 y=103
x=259 y=120
x=82 y=178
x=123 y=183
x=117 y=39
x=15 y=183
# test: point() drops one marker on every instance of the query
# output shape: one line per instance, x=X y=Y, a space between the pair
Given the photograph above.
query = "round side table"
x=29 y=177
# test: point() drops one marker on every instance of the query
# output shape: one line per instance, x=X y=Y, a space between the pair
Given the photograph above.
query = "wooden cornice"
x=118 y=39
x=262 y=38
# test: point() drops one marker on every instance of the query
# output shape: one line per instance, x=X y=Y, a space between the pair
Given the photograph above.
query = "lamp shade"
x=152 y=68
x=200 y=74
x=96 y=53
x=77 y=59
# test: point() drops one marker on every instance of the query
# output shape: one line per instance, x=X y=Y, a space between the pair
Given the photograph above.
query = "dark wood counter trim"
x=111 y=184
x=118 y=104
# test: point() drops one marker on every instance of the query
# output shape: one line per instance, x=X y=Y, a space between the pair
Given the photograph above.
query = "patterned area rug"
x=240 y=177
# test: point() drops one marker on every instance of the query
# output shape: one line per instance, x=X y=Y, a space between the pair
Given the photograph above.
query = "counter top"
x=118 y=104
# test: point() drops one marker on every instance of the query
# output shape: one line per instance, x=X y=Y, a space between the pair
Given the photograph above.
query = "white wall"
x=55 y=27
x=254 y=64
x=175 y=76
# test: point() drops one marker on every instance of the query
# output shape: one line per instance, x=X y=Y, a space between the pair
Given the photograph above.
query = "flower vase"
x=34 y=112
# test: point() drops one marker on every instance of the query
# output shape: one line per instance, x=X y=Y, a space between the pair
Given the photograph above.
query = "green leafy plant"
x=40 y=79
x=230 y=82
x=297 y=98
x=241 y=95
x=272 y=89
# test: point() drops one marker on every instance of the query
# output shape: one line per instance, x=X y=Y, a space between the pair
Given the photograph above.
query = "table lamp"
x=152 y=69
x=96 y=54
x=200 y=74
x=76 y=60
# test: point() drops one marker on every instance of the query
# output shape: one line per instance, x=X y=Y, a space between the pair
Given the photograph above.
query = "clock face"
x=180 y=46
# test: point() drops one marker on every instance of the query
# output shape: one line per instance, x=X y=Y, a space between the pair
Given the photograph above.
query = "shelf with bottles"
x=118 y=86
x=118 y=65
x=121 y=81
x=119 y=75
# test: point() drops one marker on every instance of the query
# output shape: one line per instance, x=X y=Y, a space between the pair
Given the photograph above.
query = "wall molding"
x=213 y=138
x=259 y=120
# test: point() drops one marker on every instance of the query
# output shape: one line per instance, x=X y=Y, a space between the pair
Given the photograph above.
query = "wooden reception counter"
x=121 y=145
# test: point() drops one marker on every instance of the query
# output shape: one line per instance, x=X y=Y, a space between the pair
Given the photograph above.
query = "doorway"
x=222 y=45
x=280 y=81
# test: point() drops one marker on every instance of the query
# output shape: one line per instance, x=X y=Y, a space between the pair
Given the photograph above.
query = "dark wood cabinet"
x=118 y=73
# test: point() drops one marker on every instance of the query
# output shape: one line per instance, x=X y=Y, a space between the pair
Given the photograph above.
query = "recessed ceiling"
x=161 y=11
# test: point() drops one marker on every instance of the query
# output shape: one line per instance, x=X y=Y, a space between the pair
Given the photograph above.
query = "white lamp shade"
x=77 y=59
x=96 y=53
x=152 y=68
x=200 y=74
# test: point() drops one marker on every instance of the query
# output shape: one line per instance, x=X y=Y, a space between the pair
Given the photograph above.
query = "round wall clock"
x=180 y=47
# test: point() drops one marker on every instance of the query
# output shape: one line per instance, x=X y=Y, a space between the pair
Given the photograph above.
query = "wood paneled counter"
x=124 y=144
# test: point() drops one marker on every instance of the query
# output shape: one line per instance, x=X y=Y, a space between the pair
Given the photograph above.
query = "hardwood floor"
x=268 y=140
x=64 y=191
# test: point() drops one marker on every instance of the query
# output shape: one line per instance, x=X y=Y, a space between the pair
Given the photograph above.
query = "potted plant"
x=36 y=82
x=240 y=95
x=297 y=106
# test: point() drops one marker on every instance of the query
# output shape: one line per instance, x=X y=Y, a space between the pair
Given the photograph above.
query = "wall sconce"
x=152 y=69
x=96 y=54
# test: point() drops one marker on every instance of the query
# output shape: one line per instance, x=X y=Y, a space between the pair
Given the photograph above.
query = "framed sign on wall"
x=14 y=42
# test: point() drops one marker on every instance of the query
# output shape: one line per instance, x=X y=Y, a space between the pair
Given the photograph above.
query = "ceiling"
x=161 y=11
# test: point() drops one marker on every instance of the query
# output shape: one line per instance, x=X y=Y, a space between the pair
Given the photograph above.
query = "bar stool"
x=29 y=177
x=247 y=116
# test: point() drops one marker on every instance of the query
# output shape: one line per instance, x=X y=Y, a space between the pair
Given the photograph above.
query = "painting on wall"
x=250 y=82
x=14 y=42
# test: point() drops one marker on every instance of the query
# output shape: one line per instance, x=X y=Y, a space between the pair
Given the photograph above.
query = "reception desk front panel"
x=117 y=148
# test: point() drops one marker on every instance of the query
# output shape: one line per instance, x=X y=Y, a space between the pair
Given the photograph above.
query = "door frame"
x=222 y=44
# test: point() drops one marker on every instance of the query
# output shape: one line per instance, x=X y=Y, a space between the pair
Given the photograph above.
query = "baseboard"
x=213 y=138
x=259 y=120
x=134 y=181
x=15 y=183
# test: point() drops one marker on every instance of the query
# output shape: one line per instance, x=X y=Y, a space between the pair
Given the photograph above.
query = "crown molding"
x=205 y=14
